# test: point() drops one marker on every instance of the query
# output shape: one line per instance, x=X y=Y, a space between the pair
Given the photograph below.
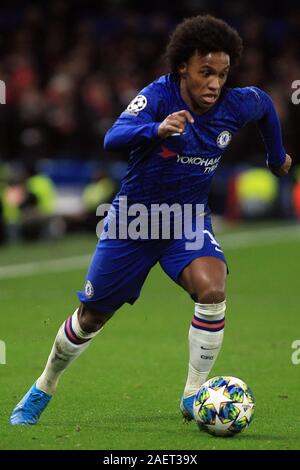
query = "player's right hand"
x=175 y=123
x=284 y=168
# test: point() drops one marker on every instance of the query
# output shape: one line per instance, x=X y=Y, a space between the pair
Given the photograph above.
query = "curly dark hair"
x=202 y=34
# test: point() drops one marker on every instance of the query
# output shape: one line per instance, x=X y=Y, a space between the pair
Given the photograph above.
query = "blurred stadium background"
x=70 y=67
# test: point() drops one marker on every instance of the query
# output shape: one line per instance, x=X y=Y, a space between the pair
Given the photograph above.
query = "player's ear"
x=182 y=70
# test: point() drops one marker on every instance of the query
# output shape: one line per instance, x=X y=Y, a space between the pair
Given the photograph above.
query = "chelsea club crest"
x=89 y=290
x=223 y=139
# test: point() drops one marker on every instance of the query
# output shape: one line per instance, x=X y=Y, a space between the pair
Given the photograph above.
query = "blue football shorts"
x=119 y=267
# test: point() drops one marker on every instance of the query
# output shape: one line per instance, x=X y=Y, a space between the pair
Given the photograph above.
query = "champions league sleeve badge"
x=136 y=105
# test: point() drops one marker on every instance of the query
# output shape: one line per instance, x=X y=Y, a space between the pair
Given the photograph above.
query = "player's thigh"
x=116 y=274
x=205 y=279
x=201 y=271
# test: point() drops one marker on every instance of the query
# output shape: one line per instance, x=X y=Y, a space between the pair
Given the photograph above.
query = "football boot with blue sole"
x=29 y=409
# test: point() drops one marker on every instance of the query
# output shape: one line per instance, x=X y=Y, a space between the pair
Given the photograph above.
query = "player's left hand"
x=284 y=168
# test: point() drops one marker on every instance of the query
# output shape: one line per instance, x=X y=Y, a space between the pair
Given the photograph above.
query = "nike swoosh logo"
x=207 y=349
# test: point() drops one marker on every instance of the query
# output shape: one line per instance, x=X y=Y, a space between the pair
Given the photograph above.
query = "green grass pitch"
x=124 y=392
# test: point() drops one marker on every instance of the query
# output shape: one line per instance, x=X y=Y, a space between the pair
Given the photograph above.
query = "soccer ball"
x=224 y=406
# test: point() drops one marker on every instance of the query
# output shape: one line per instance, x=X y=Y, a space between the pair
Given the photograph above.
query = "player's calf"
x=211 y=295
x=91 y=320
x=204 y=279
x=205 y=341
x=72 y=339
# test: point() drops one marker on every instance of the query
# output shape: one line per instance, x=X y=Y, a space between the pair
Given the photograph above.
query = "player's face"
x=202 y=79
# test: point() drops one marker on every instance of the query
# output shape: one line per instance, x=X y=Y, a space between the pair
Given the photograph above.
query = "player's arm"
x=139 y=123
x=260 y=108
x=143 y=122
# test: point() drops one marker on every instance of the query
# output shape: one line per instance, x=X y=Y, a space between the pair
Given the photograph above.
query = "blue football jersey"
x=179 y=169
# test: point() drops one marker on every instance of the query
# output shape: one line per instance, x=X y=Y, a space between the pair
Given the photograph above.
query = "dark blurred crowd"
x=71 y=67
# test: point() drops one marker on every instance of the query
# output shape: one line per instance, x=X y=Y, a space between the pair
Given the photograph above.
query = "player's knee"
x=210 y=295
x=92 y=320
